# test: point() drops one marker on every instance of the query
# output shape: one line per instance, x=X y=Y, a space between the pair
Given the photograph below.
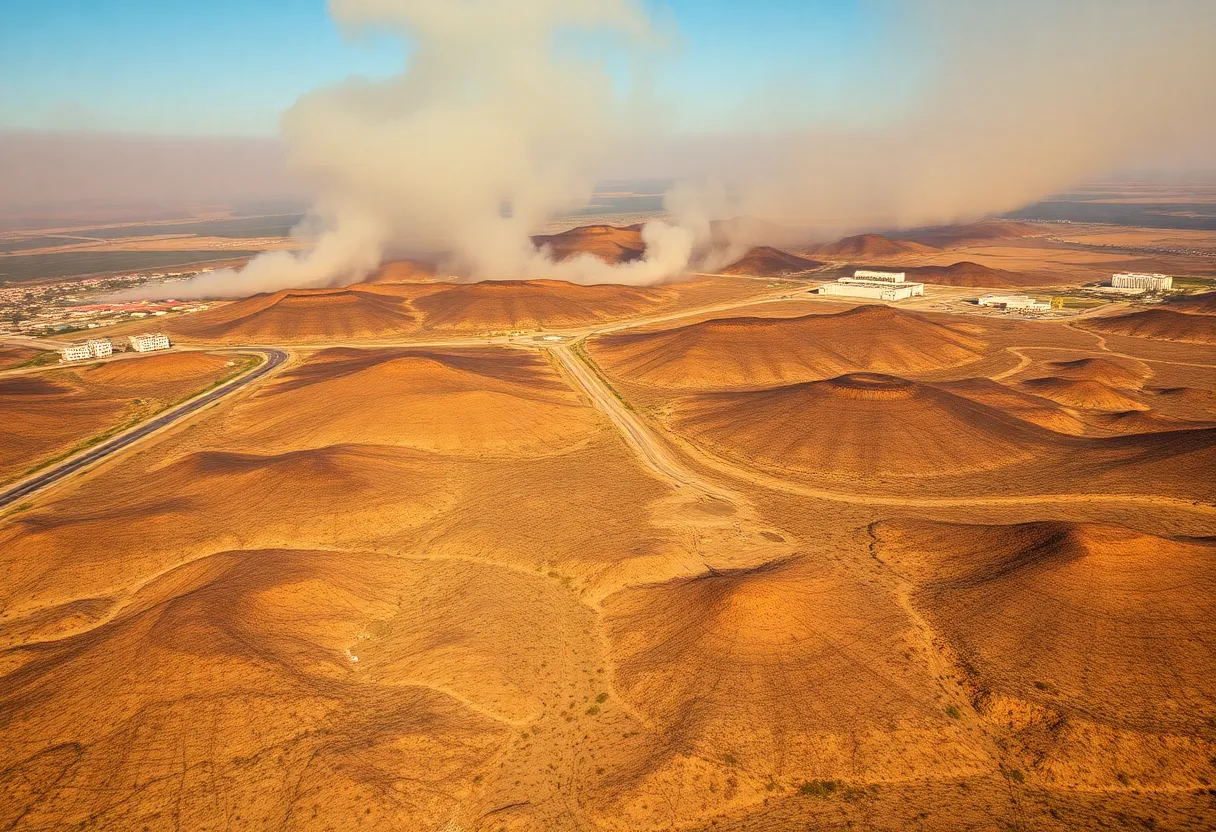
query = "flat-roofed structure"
x=149 y=342
x=75 y=352
x=879 y=277
x=101 y=347
x=866 y=283
x=1140 y=280
x=1015 y=302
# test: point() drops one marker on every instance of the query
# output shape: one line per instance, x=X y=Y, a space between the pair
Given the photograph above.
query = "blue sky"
x=229 y=67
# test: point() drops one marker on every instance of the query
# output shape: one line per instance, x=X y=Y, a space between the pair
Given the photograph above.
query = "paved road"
x=274 y=358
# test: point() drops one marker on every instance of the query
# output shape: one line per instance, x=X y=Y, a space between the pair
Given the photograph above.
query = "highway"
x=39 y=481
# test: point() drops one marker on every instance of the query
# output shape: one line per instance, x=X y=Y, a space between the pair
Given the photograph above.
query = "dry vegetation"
x=869 y=569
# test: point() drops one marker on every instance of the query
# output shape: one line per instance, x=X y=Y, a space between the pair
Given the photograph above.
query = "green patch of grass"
x=1015 y=775
x=43 y=359
x=602 y=698
x=594 y=710
x=819 y=788
x=730 y=759
x=953 y=712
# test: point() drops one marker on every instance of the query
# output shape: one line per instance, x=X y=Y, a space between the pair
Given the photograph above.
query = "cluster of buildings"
x=1020 y=303
x=102 y=347
x=867 y=283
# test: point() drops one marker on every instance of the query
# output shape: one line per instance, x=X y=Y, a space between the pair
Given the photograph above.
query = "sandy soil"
x=529 y=586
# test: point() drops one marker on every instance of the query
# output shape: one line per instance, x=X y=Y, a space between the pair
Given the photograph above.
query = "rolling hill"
x=360 y=311
x=609 y=243
x=966 y=273
x=527 y=304
x=860 y=425
x=1092 y=395
x=468 y=402
x=1099 y=622
x=732 y=352
x=1159 y=323
x=952 y=236
x=1203 y=303
x=868 y=245
x=766 y=261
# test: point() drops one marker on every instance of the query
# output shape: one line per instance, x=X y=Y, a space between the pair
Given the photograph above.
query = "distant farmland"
x=27 y=268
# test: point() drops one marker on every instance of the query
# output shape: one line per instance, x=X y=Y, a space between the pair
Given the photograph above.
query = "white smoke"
x=498 y=123
x=503 y=118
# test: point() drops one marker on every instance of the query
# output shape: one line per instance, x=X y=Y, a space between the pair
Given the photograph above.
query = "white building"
x=871 y=284
x=881 y=277
x=1020 y=302
x=1137 y=280
x=93 y=348
x=75 y=352
x=149 y=342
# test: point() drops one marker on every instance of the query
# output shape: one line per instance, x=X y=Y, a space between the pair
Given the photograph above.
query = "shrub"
x=819 y=788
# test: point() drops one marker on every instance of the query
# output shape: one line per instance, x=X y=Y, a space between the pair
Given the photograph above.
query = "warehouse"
x=866 y=283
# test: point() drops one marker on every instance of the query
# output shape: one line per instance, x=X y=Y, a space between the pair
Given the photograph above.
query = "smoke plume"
x=504 y=116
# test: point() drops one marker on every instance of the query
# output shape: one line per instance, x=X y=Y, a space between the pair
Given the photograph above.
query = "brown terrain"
x=767 y=261
x=728 y=557
x=868 y=245
x=606 y=242
x=1164 y=324
x=730 y=352
x=49 y=412
x=966 y=273
x=11 y=357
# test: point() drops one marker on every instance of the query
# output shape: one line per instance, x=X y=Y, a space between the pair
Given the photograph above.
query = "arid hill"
x=1163 y=324
x=1018 y=403
x=1094 y=622
x=1109 y=371
x=732 y=352
x=950 y=236
x=526 y=304
x=360 y=311
x=767 y=261
x=863 y=425
x=868 y=245
x=1142 y=421
x=1203 y=303
x=609 y=243
x=722 y=664
x=53 y=411
x=966 y=273
x=1093 y=395
x=491 y=400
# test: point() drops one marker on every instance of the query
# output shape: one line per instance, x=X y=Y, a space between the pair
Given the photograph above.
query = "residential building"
x=149 y=342
x=101 y=347
x=75 y=352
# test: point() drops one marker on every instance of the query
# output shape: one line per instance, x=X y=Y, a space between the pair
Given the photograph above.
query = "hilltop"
x=766 y=261
x=951 y=236
x=612 y=244
x=868 y=245
x=967 y=273
x=526 y=304
x=358 y=311
x=831 y=426
x=1203 y=303
x=731 y=352
x=1164 y=324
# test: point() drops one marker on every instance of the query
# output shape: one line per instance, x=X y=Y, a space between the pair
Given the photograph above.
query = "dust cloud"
x=507 y=112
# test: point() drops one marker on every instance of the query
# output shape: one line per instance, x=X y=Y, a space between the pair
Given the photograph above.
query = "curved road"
x=55 y=473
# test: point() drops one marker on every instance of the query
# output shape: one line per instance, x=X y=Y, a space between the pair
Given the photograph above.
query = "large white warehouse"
x=866 y=283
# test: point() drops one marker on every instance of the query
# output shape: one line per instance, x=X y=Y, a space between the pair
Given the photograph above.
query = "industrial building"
x=871 y=284
x=1138 y=280
x=1015 y=302
x=149 y=342
x=93 y=348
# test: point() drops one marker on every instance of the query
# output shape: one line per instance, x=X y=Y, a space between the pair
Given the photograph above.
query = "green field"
x=26 y=268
